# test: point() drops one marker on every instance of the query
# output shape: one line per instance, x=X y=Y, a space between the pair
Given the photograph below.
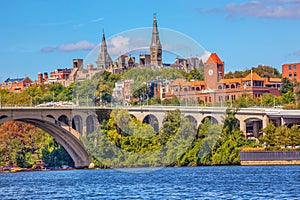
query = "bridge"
x=68 y=124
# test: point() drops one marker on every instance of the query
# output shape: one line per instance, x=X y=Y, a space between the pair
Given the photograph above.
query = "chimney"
x=46 y=77
x=40 y=79
x=90 y=67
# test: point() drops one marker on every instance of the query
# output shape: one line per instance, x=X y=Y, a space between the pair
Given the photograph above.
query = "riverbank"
x=14 y=169
x=270 y=158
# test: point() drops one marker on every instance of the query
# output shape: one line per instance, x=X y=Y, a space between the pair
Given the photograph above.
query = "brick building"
x=16 y=85
x=216 y=89
x=291 y=71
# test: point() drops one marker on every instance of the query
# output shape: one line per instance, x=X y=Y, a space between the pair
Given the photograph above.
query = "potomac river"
x=220 y=182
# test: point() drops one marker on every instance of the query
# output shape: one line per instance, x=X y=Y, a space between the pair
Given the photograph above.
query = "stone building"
x=121 y=64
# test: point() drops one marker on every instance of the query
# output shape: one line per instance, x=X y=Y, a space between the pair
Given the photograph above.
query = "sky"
x=41 y=36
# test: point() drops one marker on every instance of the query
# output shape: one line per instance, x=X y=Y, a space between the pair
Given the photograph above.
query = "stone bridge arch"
x=91 y=124
x=69 y=141
x=64 y=119
x=213 y=119
x=77 y=123
x=193 y=120
x=153 y=121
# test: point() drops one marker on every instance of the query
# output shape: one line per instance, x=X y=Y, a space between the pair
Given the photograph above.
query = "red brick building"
x=291 y=71
x=216 y=89
x=16 y=85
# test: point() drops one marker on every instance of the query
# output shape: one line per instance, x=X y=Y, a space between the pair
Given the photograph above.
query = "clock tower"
x=213 y=71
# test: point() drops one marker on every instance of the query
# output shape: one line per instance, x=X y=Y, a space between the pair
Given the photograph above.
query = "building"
x=213 y=71
x=187 y=90
x=121 y=64
x=122 y=91
x=291 y=71
x=158 y=88
x=216 y=89
x=16 y=85
x=152 y=60
x=186 y=64
x=59 y=75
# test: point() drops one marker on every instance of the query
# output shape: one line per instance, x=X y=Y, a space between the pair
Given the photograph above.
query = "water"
x=229 y=182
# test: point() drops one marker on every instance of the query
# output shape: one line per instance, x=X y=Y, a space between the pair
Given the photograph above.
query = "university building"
x=216 y=89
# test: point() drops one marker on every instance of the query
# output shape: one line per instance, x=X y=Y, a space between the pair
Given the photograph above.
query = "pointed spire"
x=155 y=36
x=103 y=36
x=155 y=46
x=104 y=58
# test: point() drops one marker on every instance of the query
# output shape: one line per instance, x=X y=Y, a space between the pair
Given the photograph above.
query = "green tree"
x=287 y=86
x=288 y=98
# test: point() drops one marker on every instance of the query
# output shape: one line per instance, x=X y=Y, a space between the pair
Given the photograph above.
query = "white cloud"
x=83 y=45
x=97 y=20
x=205 y=56
x=261 y=9
x=121 y=45
x=79 y=46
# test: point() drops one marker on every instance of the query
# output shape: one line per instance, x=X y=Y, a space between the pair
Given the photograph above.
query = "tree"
x=261 y=70
x=286 y=86
x=196 y=74
x=288 y=98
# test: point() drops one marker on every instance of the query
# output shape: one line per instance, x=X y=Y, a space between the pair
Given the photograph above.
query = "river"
x=224 y=182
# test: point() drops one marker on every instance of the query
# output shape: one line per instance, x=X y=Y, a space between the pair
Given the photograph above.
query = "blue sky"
x=40 y=36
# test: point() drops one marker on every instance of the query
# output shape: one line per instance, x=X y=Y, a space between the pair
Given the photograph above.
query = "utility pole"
x=53 y=98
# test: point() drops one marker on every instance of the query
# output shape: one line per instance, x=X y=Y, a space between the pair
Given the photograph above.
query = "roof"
x=231 y=80
x=255 y=77
x=272 y=80
x=197 y=83
x=181 y=82
x=214 y=59
x=14 y=80
x=275 y=80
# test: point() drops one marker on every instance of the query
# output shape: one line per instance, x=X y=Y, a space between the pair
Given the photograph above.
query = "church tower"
x=104 y=58
x=155 y=46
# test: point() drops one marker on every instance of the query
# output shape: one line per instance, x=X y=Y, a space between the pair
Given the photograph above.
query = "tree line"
x=123 y=141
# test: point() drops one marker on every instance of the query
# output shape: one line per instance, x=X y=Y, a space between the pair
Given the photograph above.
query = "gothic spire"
x=155 y=46
x=155 y=42
x=104 y=58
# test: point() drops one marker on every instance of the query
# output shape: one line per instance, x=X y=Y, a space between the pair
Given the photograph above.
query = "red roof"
x=255 y=76
x=214 y=59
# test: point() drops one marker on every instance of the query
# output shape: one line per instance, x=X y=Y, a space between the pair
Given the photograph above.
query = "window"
x=295 y=67
x=290 y=75
x=290 y=67
x=295 y=74
x=220 y=98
